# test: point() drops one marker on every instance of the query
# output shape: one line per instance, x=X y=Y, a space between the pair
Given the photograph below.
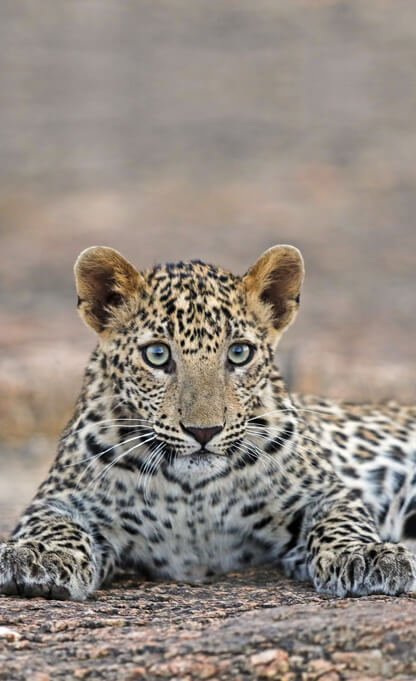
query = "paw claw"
x=368 y=569
x=28 y=573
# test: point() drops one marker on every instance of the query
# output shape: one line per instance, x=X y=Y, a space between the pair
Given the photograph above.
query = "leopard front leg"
x=345 y=555
x=51 y=554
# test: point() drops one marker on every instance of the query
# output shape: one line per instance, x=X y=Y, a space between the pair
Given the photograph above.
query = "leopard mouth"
x=180 y=449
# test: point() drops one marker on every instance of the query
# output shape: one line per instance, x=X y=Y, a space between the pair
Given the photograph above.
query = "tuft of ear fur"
x=105 y=281
x=276 y=279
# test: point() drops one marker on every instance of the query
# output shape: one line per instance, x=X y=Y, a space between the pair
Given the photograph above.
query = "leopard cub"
x=186 y=457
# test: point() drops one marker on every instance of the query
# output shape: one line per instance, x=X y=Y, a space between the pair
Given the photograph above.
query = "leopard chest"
x=219 y=523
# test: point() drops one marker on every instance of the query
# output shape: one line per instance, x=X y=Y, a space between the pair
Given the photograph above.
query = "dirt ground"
x=214 y=131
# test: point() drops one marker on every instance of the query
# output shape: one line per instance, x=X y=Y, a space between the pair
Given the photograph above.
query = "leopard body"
x=320 y=488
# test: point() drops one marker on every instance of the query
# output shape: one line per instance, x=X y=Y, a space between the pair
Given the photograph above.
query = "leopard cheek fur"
x=197 y=465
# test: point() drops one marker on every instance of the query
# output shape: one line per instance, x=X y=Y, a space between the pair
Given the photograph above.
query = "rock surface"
x=256 y=625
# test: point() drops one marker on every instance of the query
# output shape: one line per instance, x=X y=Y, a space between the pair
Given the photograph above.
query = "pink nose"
x=202 y=435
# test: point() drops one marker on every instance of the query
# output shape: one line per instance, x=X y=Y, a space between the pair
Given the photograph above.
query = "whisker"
x=299 y=451
x=93 y=459
x=264 y=456
x=270 y=413
x=111 y=422
x=147 y=468
x=97 y=456
x=153 y=464
x=264 y=436
x=268 y=463
x=271 y=465
x=296 y=447
x=292 y=410
x=117 y=459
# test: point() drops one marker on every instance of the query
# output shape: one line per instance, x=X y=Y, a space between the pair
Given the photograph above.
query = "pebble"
x=270 y=663
x=9 y=634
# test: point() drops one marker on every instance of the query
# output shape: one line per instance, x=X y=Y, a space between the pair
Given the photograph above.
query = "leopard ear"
x=276 y=279
x=105 y=282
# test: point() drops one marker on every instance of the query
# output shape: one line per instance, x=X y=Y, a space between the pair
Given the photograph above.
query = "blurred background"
x=176 y=129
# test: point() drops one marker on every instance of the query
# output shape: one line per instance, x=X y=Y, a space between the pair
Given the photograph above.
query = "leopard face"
x=189 y=347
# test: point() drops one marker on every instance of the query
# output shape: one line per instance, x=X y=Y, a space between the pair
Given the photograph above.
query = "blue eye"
x=156 y=354
x=240 y=353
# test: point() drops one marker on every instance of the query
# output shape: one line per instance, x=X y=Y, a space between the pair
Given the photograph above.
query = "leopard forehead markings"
x=201 y=465
x=193 y=304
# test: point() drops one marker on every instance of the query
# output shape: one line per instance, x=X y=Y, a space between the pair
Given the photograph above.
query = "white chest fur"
x=199 y=520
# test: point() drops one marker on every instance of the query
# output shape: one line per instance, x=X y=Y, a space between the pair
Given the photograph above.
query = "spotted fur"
x=202 y=466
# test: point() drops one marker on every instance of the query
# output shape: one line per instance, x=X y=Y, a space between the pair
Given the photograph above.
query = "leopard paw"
x=29 y=569
x=382 y=568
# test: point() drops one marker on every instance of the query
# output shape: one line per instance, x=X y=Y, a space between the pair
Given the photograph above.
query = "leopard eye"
x=156 y=354
x=240 y=353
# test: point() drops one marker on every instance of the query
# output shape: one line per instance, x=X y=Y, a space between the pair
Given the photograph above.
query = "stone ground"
x=244 y=626
x=212 y=132
x=251 y=625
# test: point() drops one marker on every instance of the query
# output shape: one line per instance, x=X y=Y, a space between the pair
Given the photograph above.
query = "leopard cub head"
x=189 y=347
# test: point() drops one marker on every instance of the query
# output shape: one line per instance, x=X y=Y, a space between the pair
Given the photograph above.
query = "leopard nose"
x=202 y=435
